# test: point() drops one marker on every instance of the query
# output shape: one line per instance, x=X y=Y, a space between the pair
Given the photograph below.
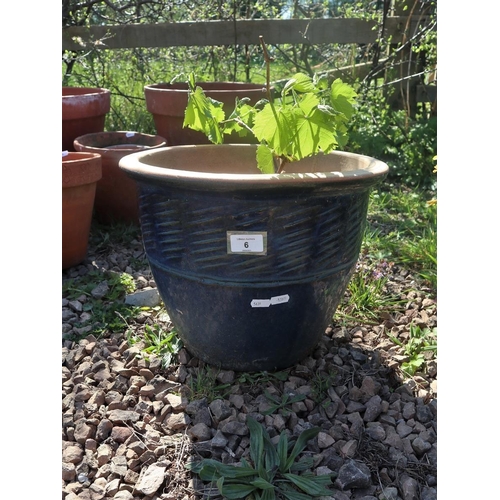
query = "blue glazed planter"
x=251 y=267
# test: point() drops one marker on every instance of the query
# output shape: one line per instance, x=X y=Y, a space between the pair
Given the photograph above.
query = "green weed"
x=320 y=384
x=366 y=297
x=419 y=341
x=282 y=403
x=119 y=284
x=119 y=233
x=261 y=378
x=272 y=471
x=402 y=228
x=159 y=341
x=108 y=313
x=203 y=384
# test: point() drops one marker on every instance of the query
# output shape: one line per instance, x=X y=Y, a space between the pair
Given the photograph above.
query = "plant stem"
x=239 y=122
x=268 y=60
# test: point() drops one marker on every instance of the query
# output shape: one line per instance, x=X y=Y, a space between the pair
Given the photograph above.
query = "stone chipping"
x=130 y=425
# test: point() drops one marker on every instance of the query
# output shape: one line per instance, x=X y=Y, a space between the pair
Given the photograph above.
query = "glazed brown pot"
x=167 y=103
x=80 y=173
x=84 y=111
x=116 y=193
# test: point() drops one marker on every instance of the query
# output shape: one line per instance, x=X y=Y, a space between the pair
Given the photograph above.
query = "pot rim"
x=73 y=156
x=81 y=91
x=118 y=138
x=80 y=167
x=85 y=102
x=137 y=166
x=212 y=86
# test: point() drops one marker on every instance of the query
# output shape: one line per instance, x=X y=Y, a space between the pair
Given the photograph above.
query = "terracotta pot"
x=116 y=193
x=251 y=267
x=80 y=173
x=167 y=103
x=84 y=111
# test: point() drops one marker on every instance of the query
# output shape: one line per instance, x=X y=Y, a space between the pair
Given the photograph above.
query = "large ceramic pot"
x=167 y=103
x=116 y=193
x=84 y=111
x=80 y=173
x=251 y=267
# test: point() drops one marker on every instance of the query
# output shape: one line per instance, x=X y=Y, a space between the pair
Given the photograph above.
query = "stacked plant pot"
x=167 y=103
x=84 y=111
x=116 y=193
x=80 y=173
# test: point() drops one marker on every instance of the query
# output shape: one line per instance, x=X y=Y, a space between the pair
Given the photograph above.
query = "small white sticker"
x=260 y=303
x=130 y=134
x=247 y=242
x=65 y=153
x=279 y=299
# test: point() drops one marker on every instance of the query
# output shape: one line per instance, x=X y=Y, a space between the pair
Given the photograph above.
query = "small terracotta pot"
x=84 y=111
x=116 y=193
x=80 y=173
x=167 y=103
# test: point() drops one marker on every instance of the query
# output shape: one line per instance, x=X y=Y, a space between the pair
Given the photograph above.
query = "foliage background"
x=389 y=124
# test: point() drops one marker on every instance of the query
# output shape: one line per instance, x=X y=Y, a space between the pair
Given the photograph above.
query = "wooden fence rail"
x=247 y=32
x=239 y=32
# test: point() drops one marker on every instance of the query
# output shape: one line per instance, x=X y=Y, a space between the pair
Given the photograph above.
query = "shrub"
x=407 y=145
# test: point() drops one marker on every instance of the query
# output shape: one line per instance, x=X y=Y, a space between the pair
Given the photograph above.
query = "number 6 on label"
x=241 y=242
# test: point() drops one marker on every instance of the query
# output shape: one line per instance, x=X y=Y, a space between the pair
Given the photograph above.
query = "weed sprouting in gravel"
x=202 y=383
x=320 y=383
x=402 y=228
x=272 y=472
x=255 y=380
x=106 y=312
x=419 y=341
x=281 y=404
x=367 y=296
x=159 y=341
x=119 y=233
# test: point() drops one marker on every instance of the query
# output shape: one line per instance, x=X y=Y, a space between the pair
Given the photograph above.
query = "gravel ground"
x=130 y=424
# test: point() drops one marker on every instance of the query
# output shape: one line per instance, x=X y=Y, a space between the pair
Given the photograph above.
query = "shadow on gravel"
x=377 y=436
x=131 y=423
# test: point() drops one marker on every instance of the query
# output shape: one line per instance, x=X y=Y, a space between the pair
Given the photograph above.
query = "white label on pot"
x=260 y=303
x=65 y=153
x=242 y=242
x=279 y=299
x=130 y=134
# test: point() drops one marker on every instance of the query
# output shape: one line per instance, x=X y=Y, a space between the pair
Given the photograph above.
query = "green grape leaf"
x=310 y=118
x=265 y=159
x=314 y=132
x=204 y=114
x=242 y=118
x=272 y=126
x=343 y=97
x=300 y=82
x=321 y=82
